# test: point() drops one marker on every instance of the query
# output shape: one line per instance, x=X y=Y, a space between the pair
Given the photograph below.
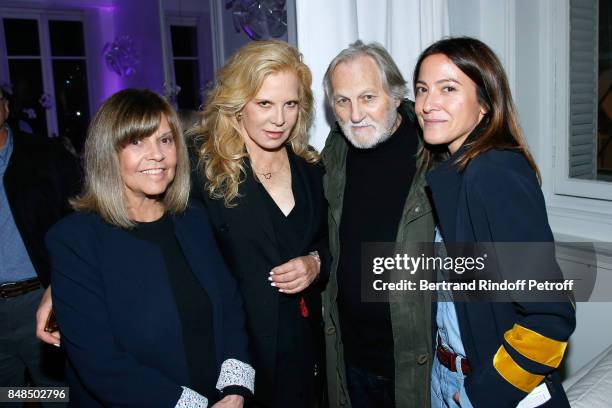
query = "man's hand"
x=456 y=398
x=41 y=318
x=230 y=401
x=296 y=275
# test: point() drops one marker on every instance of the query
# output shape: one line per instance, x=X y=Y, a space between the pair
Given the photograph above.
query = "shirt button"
x=417 y=209
x=330 y=330
x=422 y=359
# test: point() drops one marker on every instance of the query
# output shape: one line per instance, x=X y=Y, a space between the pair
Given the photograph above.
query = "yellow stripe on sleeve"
x=513 y=373
x=535 y=346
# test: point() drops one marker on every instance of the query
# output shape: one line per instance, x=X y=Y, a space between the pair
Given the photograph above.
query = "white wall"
x=523 y=33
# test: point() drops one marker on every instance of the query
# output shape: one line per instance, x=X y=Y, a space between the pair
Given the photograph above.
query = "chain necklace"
x=268 y=174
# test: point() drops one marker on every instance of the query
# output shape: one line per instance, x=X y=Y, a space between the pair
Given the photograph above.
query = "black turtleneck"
x=377 y=184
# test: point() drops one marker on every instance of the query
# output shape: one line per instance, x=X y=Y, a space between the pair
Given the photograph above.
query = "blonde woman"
x=150 y=316
x=262 y=186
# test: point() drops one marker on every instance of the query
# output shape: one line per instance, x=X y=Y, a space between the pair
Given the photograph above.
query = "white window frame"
x=573 y=213
x=563 y=184
x=42 y=16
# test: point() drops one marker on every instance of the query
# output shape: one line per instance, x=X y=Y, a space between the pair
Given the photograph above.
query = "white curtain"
x=325 y=27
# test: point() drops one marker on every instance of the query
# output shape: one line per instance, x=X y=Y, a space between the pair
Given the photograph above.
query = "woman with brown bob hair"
x=485 y=188
x=150 y=315
x=262 y=185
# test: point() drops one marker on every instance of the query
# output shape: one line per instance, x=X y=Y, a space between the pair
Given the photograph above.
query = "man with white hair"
x=378 y=353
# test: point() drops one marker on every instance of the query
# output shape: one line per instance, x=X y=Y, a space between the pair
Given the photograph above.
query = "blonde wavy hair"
x=126 y=116
x=221 y=148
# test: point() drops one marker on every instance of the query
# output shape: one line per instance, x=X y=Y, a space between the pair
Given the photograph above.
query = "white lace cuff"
x=235 y=372
x=191 y=399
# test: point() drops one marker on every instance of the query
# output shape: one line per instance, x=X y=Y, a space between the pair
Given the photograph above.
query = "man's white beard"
x=382 y=131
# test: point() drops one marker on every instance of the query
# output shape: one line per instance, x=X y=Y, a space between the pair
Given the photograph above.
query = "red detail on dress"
x=303 y=308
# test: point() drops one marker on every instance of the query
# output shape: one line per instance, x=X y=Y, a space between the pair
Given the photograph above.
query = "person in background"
x=379 y=353
x=485 y=188
x=150 y=316
x=37 y=176
x=262 y=186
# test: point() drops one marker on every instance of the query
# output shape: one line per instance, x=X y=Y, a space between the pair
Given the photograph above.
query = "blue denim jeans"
x=444 y=384
x=369 y=390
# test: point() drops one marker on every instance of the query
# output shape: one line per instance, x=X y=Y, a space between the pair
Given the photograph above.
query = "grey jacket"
x=410 y=314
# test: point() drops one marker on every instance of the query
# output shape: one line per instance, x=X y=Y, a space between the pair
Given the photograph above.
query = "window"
x=186 y=66
x=583 y=159
x=25 y=72
x=591 y=90
x=69 y=79
x=46 y=67
x=604 y=93
x=190 y=63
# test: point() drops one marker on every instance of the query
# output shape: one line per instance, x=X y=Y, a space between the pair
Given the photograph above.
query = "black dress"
x=255 y=236
x=295 y=360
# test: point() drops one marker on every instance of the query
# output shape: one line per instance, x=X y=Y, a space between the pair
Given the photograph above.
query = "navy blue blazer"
x=511 y=347
x=120 y=325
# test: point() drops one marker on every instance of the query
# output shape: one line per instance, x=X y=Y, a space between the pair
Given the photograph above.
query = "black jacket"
x=245 y=234
x=40 y=177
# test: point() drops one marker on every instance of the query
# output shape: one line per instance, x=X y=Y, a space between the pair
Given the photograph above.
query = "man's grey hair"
x=393 y=81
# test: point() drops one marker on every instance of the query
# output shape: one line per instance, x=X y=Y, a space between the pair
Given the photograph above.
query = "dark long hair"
x=499 y=128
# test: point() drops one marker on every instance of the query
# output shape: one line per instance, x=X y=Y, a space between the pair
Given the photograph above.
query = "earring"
x=239 y=116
